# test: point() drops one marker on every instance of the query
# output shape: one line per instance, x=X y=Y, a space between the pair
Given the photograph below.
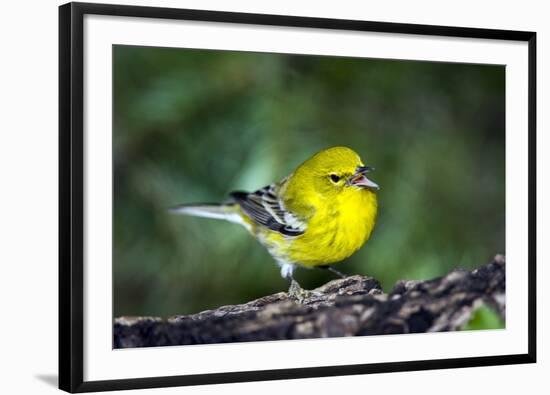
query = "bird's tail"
x=225 y=211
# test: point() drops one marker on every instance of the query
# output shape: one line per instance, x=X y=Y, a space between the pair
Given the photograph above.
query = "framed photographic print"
x=251 y=197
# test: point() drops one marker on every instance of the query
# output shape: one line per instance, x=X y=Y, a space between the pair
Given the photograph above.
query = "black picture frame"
x=71 y=203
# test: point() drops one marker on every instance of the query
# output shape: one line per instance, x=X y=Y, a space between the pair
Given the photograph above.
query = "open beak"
x=360 y=180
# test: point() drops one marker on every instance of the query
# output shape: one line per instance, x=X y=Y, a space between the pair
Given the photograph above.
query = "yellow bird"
x=317 y=216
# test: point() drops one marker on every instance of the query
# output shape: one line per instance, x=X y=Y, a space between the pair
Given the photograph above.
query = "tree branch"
x=352 y=306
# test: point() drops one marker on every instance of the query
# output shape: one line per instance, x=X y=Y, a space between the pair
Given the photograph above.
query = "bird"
x=319 y=215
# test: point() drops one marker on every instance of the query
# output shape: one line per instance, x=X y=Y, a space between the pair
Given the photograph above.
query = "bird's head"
x=333 y=171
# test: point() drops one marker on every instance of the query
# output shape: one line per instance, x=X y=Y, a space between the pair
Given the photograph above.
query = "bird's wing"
x=265 y=208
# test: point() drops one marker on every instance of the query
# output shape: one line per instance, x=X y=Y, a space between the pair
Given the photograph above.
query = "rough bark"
x=352 y=306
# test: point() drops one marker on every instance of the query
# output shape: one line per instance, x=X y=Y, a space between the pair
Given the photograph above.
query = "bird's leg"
x=295 y=290
x=300 y=294
x=333 y=270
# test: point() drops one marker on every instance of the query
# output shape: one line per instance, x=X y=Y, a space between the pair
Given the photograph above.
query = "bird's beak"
x=359 y=179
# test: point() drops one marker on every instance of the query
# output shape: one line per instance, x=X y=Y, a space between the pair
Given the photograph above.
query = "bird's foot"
x=300 y=294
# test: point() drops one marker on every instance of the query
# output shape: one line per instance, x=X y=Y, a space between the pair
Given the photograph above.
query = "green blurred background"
x=193 y=125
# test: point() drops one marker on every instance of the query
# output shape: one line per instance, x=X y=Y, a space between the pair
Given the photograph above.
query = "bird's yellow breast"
x=334 y=232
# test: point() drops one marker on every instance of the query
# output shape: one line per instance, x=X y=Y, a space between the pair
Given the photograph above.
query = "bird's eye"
x=334 y=178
